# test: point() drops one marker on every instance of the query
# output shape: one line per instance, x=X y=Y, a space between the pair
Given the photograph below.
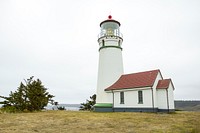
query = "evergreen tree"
x=89 y=103
x=30 y=96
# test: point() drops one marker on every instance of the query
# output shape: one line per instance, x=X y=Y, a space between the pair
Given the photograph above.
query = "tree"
x=89 y=103
x=31 y=96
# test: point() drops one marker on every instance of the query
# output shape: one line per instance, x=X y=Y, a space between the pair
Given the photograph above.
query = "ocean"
x=72 y=107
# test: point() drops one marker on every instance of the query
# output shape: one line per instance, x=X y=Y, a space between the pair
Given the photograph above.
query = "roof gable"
x=163 y=84
x=135 y=80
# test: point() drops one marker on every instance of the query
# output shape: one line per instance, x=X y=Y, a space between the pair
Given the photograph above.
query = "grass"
x=90 y=122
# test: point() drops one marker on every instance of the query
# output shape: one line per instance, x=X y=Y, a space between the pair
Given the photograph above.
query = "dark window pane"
x=121 y=97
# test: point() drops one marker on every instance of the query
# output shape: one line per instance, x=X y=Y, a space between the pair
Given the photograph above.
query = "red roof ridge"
x=142 y=72
x=135 y=80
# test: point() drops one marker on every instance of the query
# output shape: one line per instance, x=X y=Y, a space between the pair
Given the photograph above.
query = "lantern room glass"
x=110 y=29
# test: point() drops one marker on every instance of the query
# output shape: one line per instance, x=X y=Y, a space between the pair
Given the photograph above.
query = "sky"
x=56 y=41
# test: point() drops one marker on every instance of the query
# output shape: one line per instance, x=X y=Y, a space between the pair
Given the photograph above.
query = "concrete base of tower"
x=103 y=107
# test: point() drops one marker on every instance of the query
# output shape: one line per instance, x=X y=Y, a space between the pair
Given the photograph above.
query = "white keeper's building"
x=118 y=92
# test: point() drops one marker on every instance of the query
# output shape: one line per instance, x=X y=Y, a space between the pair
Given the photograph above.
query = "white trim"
x=130 y=89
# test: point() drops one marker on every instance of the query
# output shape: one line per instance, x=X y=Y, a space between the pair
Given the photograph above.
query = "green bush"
x=61 y=108
x=9 y=109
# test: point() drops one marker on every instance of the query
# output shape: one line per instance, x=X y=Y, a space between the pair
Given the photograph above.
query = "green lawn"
x=91 y=122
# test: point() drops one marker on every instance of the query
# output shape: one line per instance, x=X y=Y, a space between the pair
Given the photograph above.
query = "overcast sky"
x=56 y=41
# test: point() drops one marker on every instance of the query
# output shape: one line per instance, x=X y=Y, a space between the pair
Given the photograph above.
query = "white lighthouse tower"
x=110 y=62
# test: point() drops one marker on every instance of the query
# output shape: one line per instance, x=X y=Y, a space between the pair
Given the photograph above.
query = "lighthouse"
x=110 y=62
x=145 y=91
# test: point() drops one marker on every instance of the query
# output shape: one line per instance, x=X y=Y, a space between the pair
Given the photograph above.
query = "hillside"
x=90 y=122
x=187 y=105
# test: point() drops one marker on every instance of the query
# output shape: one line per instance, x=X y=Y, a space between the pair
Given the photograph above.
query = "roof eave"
x=113 y=89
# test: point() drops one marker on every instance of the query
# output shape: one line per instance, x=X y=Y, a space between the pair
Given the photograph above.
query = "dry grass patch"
x=89 y=122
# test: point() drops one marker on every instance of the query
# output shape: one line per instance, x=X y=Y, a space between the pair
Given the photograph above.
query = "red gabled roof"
x=135 y=80
x=163 y=84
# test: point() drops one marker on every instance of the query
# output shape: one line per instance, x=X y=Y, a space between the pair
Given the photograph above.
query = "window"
x=103 y=43
x=121 y=97
x=140 y=97
x=119 y=43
